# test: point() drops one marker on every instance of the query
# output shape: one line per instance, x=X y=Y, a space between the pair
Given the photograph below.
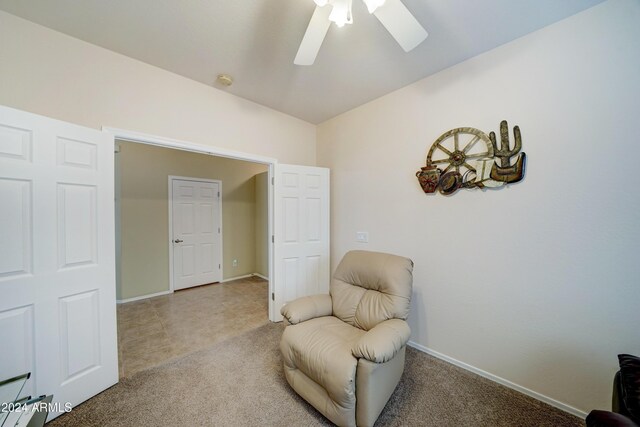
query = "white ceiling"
x=256 y=40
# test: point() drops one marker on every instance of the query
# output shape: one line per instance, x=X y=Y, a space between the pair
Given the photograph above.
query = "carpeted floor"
x=240 y=382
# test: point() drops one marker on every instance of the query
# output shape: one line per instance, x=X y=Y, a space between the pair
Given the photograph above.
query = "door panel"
x=15 y=226
x=57 y=256
x=15 y=143
x=77 y=154
x=301 y=233
x=196 y=234
x=16 y=327
x=79 y=339
x=77 y=225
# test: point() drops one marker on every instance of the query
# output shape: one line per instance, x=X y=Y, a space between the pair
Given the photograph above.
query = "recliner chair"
x=344 y=352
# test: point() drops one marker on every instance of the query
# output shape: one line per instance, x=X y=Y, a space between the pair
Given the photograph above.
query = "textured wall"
x=536 y=283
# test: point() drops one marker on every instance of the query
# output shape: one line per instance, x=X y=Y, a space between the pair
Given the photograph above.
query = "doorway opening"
x=155 y=324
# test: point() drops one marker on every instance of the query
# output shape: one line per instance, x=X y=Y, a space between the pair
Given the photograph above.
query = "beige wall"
x=144 y=172
x=535 y=283
x=262 y=224
x=49 y=73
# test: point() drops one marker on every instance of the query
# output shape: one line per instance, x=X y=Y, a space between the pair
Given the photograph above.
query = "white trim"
x=190 y=178
x=170 y=203
x=274 y=312
x=142 y=138
x=157 y=294
x=236 y=278
x=260 y=276
x=186 y=146
x=500 y=380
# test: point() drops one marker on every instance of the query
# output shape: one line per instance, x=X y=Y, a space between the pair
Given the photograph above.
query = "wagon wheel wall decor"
x=453 y=158
x=464 y=142
x=451 y=153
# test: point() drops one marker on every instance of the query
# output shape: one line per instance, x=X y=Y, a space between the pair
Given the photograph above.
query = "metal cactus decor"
x=506 y=172
x=468 y=158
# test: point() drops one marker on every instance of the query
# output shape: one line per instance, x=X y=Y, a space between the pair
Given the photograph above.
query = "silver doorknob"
x=178 y=241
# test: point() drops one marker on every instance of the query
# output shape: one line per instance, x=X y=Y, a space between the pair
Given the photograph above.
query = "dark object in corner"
x=629 y=377
x=606 y=419
x=626 y=397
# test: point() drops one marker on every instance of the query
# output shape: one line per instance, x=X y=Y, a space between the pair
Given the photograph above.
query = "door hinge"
x=218 y=230
x=273 y=239
x=273 y=181
x=218 y=194
x=273 y=296
x=219 y=267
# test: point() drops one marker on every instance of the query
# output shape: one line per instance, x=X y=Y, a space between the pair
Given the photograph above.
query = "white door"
x=301 y=233
x=57 y=268
x=196 y=232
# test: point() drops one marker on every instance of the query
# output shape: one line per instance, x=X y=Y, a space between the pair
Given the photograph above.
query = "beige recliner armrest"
x=306 y=308
x=381 y=343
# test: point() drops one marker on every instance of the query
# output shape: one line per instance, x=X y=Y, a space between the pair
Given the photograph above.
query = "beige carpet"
x=239 y=382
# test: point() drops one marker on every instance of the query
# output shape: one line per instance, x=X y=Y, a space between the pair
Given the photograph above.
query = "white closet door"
x=57 y=268
x=301 y=250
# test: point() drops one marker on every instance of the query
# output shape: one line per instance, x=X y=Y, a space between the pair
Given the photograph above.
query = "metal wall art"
x=469 y=158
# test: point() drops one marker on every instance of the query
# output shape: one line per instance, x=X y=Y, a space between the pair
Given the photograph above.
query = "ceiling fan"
x=393 y=14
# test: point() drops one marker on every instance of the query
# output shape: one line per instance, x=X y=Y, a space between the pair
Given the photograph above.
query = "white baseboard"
x=244 y=277
x=236 y=278
x=157 y=294
x=499 y=380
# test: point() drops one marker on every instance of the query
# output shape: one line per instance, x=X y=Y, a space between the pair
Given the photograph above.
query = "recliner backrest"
x=370 y=287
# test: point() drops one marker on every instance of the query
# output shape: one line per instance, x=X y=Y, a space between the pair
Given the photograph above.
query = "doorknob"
x=178 y=241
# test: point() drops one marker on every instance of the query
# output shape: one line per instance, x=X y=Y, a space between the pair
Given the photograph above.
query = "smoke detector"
x=225 y=79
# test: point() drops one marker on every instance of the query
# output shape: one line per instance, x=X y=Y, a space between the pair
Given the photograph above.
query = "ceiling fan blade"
x=402 y=25
x=314 y=36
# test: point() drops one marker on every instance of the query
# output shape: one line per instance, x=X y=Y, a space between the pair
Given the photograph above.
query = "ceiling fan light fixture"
x=394 y=16
x=372 y=5
x=341 y=13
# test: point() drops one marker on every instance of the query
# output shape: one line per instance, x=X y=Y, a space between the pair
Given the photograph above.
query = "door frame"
x=132 y=136
x=220 y=239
